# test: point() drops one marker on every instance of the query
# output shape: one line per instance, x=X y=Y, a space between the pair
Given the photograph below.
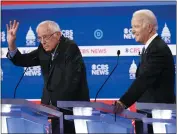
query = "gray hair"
x=147 y=16
x=52 y=25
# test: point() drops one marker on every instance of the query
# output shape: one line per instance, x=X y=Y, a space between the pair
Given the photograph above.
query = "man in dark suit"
x=61 y=63
x=155 y=76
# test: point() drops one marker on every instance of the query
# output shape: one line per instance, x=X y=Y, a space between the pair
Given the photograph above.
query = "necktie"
x=53 y=54
x=142 y=54
x=143 y=51
x=50 y=63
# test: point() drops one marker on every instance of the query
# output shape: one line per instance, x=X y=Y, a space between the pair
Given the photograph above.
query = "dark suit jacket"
x=155 y=76
x=65 y=80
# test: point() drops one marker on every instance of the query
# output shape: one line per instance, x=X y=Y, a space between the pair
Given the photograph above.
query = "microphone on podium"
x=15 y=90
x=118 y=53
x=19 y=82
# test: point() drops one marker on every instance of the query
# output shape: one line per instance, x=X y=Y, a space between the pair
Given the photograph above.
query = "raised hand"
x=11 y=34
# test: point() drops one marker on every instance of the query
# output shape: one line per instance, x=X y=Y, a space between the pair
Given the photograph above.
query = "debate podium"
x=163 y=117
x=97 y=117
x=22 y=116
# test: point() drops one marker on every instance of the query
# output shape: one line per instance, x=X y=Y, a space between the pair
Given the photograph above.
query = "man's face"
x=140 y=30
x=48 y=39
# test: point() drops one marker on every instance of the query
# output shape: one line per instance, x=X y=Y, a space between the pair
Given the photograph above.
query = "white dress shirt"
x=150 y=40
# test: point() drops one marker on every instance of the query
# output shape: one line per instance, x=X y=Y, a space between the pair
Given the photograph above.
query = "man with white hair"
x=155 y=76
x=61 y=63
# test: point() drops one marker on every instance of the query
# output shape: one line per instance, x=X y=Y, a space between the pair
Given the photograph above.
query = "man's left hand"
x=119 y=107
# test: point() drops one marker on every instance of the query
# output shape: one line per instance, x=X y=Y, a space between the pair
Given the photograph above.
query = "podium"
x=22 y=116
x=163 y=116
x=97 y=117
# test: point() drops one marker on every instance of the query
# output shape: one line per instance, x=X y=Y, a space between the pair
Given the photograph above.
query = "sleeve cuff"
x=11 y=54
x=122 y=103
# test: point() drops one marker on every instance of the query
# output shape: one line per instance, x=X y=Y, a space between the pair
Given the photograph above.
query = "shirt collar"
x=150 y=40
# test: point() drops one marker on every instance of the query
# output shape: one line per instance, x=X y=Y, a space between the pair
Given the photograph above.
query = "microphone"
x=139 y=53
x=19 y=82
x=15 y=90
x=118 y=53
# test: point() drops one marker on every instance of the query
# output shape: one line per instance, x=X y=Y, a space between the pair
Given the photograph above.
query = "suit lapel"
x=58 y=55
x=53 y=63
x=152 y=44
x=143 y=56
x=45 y=60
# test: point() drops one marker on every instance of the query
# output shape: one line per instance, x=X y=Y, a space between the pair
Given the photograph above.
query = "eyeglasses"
x=45 y=37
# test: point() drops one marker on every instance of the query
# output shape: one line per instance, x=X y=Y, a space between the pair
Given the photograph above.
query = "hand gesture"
x=119 y=107
x=11 y=34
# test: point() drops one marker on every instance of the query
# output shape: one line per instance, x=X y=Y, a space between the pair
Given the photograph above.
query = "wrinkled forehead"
x=43 y=30
x=137 y=20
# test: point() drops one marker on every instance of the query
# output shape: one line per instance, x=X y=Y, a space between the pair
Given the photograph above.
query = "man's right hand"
x=11 y=34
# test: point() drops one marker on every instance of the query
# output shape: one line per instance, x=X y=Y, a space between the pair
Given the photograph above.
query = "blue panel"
x=81 y=24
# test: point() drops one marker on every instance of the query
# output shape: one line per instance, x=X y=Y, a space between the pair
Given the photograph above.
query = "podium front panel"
x=22 y=116
x=22 y=125
x=163 y=116
x=96 y=117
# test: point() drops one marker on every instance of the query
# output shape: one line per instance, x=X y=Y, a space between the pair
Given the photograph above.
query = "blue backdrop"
x=103 y=26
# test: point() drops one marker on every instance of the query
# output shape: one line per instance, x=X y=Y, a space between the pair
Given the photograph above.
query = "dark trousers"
x=139 y=128
x=68 y=127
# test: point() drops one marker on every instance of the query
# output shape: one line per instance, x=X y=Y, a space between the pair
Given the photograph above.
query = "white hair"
x=52 y=25
x=147 y=16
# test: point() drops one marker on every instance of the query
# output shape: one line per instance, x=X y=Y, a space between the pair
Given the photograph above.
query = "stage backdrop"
x=98 y=29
